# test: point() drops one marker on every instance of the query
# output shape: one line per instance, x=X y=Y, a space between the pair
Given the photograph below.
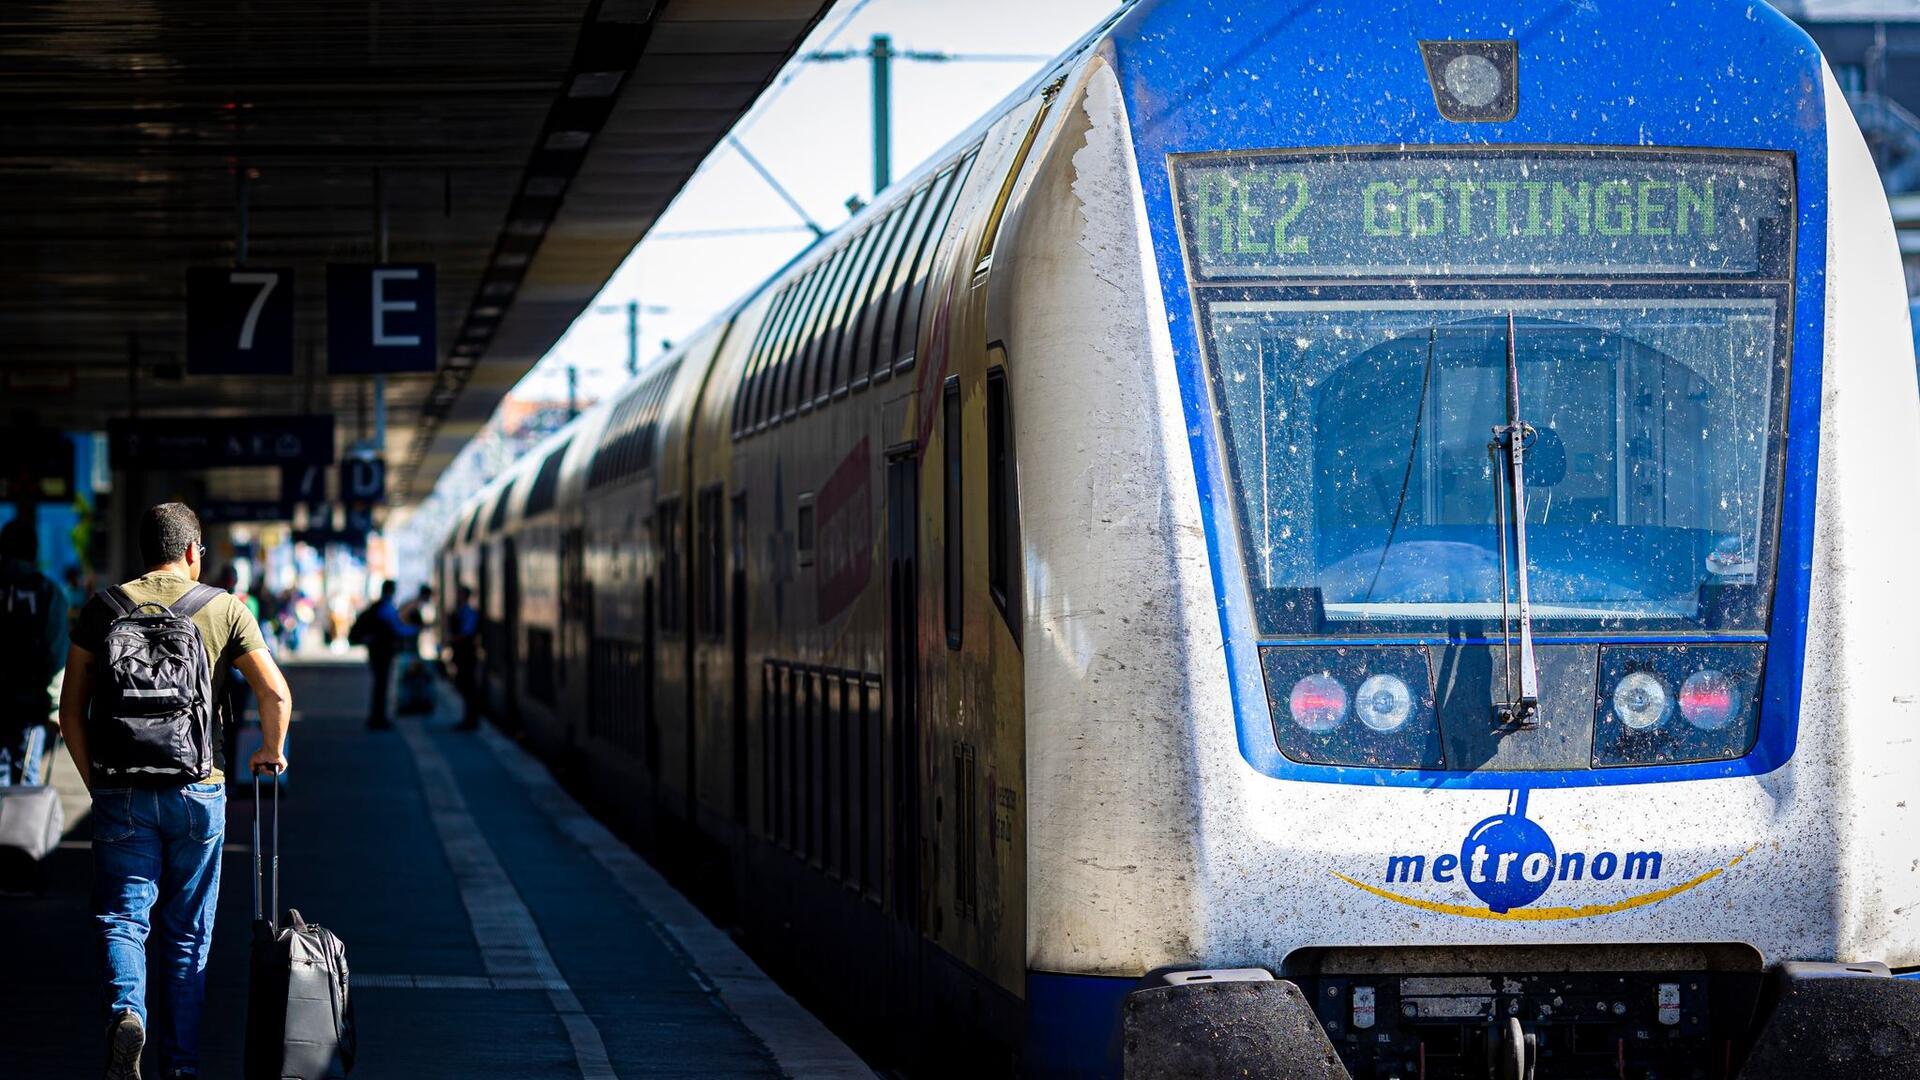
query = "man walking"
x=463 y=641
x=157 y=839
x=33 y=649
x=379 y=628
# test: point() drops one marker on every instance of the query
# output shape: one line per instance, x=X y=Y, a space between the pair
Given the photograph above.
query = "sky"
x=812 y=131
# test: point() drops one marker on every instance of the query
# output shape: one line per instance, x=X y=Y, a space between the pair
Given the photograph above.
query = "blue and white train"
x=1360 y=537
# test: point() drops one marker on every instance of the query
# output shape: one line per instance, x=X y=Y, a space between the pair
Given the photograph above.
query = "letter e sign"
x=239 y=320
x=380 y=318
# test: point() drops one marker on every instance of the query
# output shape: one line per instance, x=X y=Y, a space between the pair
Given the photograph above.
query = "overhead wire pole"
x=881 y=54
x=634 y=309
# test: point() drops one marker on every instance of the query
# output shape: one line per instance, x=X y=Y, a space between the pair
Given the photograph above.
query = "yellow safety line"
x=1549 y=913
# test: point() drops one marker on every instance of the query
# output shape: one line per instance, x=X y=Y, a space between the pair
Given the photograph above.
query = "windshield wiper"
x=1511 y=440
x=1413 y=453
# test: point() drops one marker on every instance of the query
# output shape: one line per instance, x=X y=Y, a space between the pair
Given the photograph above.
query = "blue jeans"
x=159 y=848
x=20 y=758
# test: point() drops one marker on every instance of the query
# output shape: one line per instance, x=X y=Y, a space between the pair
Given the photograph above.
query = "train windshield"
x=1358 y=410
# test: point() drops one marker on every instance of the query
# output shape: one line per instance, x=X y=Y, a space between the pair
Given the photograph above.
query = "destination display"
x=1437 y=213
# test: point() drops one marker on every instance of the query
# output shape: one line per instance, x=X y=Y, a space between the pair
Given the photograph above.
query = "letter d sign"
x=380 y=318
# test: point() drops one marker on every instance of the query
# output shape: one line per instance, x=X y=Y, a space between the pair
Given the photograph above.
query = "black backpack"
x=151 y=722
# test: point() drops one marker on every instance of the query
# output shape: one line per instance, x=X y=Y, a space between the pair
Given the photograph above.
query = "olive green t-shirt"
x=227 y=629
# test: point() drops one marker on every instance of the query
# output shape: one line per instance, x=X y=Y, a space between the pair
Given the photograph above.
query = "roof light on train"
x=1709 y=700
x=1318 y=702
x=1473 y=79
x=1383 y=703
x=1640 y=700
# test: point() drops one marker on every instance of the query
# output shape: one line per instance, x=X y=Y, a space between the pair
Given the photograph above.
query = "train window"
x=803 y=531
x=810 y=780
x=672 y=534
x=779 y=350
x=755 y=353
x=824 y=347
x=950 y=439
x=546 y=483
x=907 y=339
x=807 y=356
x=886 y=316
x=859 y=341
x=830 y=772
x=869 y=354
x=762 y=356
x=1357 y=432
x=840 y=326
x=895 y=312
x=787 y=404
x=1003 y=499
x=966 y=814
x=711 y=566
x=873 y=787
x=768 y=761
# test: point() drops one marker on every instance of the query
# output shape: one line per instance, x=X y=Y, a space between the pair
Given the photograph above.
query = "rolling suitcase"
x=299 y=1017
x=31 y=824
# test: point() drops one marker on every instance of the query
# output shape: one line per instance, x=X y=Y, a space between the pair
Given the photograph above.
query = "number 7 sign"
x=239 y=320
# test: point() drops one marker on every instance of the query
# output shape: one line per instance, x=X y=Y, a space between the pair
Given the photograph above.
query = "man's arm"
x=275 y=702
x=75 y=692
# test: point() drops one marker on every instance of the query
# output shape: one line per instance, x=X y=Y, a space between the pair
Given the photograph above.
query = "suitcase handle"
x=269 y=915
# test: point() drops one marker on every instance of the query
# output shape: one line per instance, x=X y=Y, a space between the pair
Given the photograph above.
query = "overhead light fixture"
x=545 y=187
x=497 y=288
x=569 y=140
x=489 y=311
x=595 y=84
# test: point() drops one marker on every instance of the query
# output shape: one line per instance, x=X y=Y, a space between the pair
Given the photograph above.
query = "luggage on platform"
x=299 y=1017
x=31 y=824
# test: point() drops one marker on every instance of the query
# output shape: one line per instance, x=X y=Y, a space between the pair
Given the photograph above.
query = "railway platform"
x=494 y=928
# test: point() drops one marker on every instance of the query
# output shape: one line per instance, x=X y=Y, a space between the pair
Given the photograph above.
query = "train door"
x=510 y=628
x=737 y=631
x=902 y=675
x=649 y=664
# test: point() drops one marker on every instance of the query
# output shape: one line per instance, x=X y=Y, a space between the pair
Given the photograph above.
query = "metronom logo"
x=1509 y=862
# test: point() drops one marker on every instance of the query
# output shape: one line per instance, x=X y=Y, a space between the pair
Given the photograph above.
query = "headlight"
x=1640 y=700
x=1718 y=696
x=1384 y=703
x=1314 y=689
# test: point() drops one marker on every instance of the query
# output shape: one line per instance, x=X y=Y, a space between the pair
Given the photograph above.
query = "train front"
x=1551 y=417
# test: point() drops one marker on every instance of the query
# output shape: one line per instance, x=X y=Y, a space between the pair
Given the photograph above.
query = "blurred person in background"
x=33 y=653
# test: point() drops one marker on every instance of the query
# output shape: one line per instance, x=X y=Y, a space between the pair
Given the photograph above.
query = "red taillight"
x=1318 y=702
x=1709 y=700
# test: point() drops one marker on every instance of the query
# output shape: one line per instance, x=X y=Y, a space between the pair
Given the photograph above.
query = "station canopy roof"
x=522 y=148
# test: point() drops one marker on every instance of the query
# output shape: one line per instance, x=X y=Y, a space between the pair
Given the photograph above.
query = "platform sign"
x=363 y=480
x=239 y=320
x=218 y=442
x=321 y=538
x=380 y=318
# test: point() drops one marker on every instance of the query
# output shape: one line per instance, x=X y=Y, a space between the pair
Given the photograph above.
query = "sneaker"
x=126 y=1038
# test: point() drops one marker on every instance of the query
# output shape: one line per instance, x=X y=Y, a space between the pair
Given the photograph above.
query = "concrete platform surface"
x=493 y=928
